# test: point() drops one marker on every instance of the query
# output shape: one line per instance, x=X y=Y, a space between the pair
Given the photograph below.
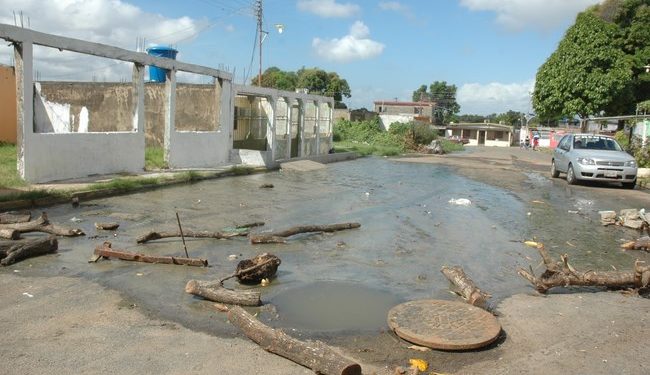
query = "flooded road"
x=341 y=284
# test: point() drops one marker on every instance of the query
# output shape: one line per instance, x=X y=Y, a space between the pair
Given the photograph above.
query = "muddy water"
x=342 y=283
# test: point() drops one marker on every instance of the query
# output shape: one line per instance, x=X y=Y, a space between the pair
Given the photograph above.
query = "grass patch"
x=449 y=147
x=367 y=149
x=9 y=177
x=239 y=170
x=154 y=158
x=35 y=194
x=126 y=184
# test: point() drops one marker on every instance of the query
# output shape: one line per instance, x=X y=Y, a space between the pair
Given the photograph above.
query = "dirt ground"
x=67 y=325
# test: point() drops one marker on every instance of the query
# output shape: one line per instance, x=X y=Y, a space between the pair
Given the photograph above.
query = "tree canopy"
x=443 y=95
x=598 y=67
x=316 y=80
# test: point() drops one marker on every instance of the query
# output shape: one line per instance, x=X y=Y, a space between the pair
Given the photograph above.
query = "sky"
x=490 y=49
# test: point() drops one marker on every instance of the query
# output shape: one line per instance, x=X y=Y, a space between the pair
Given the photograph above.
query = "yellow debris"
x=533 y=244
x=419 y=364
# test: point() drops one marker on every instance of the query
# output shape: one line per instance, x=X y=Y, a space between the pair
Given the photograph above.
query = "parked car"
x=458 y=139
x=593 y=157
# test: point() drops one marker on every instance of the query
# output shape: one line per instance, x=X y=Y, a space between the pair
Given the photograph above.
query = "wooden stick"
x=152 y=236
x=27 y=249
x=13 y=217
x=217 y=293
x=42 y=224
x=180 y=228
x=279 y=236
x=250 y=225
x=315 y=355
x=106 y=251
x=107 y=226
x=9 y=234
x=642 y=243
x=465 y=286
x=563 y=274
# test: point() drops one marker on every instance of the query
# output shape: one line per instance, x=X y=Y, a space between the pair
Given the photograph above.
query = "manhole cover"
x=443 y=324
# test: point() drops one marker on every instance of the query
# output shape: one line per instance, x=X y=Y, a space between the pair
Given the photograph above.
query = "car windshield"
x=596 y=142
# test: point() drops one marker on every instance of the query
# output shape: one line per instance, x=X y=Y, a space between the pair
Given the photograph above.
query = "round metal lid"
x=444 y=325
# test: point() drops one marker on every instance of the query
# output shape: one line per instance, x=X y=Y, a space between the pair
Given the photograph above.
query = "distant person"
x=527 y=143
x=535 y=141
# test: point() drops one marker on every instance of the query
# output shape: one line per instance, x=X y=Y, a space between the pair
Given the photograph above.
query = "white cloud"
x=495 y=97
x=355 y=46
x=396 y=6
x=328 y=8
x=112 y=22
x=538 y=14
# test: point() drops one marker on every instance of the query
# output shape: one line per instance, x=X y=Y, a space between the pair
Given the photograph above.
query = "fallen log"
x=216 y=292
x=106 y=251
x=28 y=249
x=107 y=226
x=315 y=355
x=252 y=271
x=642 y=243
x=153 y=235
x=42 y=224
x=563 y=274
x=280 y=236
x=465 y=287
x=9 y=234
x=13 y=217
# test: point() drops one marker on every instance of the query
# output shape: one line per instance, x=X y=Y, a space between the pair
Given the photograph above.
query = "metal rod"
x=182 y=236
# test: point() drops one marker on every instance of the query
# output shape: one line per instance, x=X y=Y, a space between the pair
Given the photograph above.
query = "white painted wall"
x=386 y=120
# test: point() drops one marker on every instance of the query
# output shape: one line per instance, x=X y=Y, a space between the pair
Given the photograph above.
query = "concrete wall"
x=8 y=103
x=108 y=107
x=386 y=120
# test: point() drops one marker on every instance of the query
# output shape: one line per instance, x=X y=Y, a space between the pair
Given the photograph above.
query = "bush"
x=635 y=148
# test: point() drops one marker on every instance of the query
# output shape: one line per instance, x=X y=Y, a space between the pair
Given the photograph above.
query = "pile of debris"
x=629 y=217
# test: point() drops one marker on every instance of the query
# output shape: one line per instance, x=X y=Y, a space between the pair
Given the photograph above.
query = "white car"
x=593 y=157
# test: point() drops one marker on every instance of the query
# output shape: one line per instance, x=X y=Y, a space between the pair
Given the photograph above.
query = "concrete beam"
x=20 y=35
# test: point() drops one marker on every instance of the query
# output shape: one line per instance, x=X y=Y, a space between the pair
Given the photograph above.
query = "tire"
x=571 y=176
x=554 y=172
x=629 y=185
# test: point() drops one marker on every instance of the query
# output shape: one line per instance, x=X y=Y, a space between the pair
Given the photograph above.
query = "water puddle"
x=333 y=307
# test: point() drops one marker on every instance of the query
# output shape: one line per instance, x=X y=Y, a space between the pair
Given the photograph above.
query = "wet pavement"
x=339 y=286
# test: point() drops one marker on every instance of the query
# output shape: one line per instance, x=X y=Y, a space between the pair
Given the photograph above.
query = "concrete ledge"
x=325 y=158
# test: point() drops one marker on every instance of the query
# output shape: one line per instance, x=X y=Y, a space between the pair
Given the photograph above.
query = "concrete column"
x=270 y=127
x=317 y=127
x=227 y=109
x=138 y=98
x=170 y=113
x=23 y=56
x=301 y=107
x=289 y=102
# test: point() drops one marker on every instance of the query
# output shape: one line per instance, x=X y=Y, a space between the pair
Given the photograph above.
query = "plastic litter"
x=28 y=295
x=460 y=201
x=420 y=364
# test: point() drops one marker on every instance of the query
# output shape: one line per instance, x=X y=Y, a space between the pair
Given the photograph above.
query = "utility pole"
x=259 y=13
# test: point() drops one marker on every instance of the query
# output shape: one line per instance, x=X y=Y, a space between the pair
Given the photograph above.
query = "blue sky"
x=490 y=49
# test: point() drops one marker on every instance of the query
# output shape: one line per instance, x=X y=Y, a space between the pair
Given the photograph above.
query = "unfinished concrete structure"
x=59 y=137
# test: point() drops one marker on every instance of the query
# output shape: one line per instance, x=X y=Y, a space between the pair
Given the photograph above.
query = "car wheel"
x=554 y=172
x=571 y=176
x=629 y=185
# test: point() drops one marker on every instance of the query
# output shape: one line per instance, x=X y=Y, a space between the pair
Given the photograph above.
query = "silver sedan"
x=593 y=157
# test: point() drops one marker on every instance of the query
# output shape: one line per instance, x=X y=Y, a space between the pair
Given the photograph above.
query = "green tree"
x=316 y=80
x=444 y=96
x=598 y=65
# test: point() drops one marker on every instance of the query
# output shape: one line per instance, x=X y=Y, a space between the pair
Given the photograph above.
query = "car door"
x=561 y=158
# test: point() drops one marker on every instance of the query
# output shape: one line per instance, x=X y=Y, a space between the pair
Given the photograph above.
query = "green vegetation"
x=369 y=138
x=598 y=67
x=316 y=80
x=126 y=183
x=444 y=96
x=635 y=148
x=239 y=170
x=9 y=177
x=154 y=158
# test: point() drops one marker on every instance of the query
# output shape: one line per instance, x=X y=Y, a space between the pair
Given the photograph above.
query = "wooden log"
x=642 y=243
x=42 y=224
x=106 y=251
x=252 y=271
x=563 y=274
x=9 y=234
x=28 y=249
x=465 y=287
x=217 y=293
x=12 y=217
x=153 y=235
x=107 y=226
x=280 y=236
x=315 y=355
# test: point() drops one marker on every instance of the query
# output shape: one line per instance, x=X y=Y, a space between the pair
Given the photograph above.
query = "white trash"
x=460 y=201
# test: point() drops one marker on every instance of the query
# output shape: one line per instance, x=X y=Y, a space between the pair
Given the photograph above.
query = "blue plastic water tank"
x=157 y=74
